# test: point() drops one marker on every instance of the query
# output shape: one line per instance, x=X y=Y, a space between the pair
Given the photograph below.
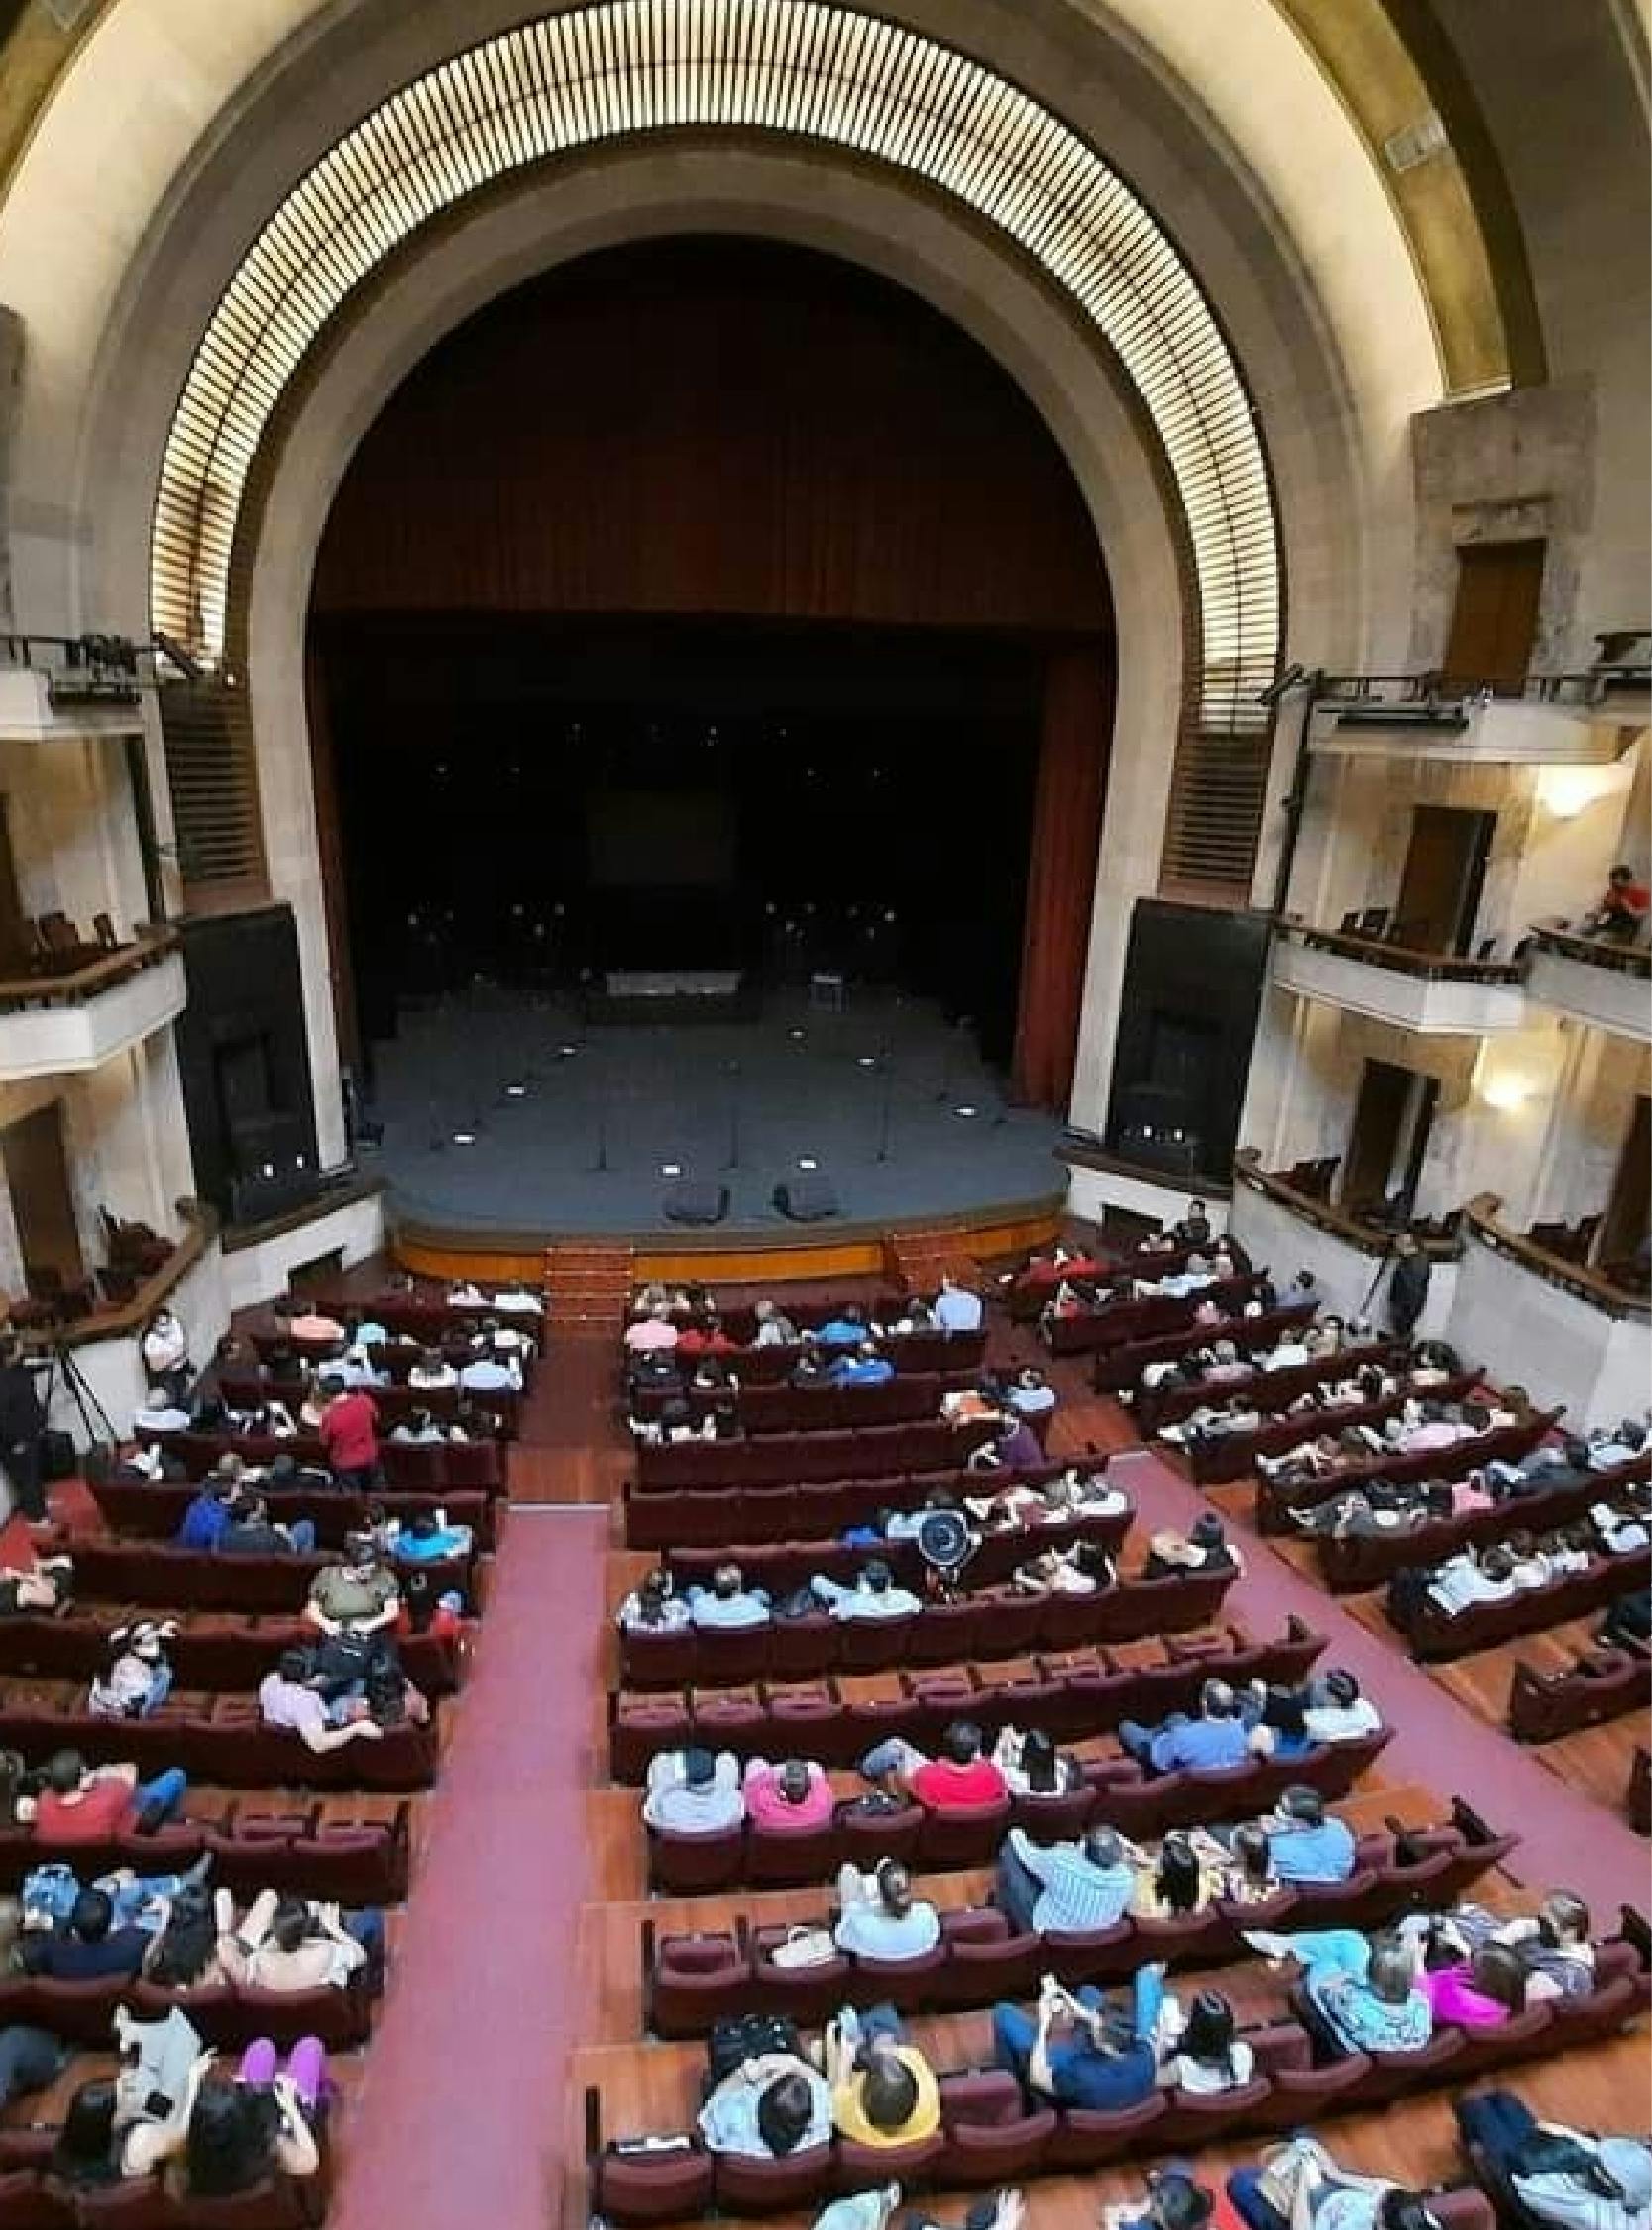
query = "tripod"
x=60 y=1364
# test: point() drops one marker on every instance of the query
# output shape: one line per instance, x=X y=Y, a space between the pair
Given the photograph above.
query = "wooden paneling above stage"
x=733 y=1257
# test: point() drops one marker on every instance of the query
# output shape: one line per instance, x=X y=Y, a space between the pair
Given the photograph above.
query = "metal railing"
x=1444 y=697
x=81 y=669
x=1479 y=1220
x=1402 y=960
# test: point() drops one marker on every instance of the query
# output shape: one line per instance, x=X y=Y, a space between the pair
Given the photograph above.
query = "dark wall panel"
x=1193 y=981
x=246 y=1064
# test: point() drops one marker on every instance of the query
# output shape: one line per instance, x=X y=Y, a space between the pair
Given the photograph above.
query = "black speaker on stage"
x=696 y=1203
x=807 y=1200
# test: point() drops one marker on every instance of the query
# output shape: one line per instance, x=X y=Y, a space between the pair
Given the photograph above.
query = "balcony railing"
x=1369 y=1236
x=78 y=670
x=74 y=985
x=1436 y=992
x=76 y=1319
x=1595 y=978
x=1580 y=1280
x=69 y=1022
x=1548 y=719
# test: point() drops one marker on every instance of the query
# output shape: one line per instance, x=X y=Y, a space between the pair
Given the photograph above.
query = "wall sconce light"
x=1566 y=791
x=1505 y=1093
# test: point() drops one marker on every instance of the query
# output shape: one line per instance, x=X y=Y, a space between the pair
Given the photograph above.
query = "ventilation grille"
x=213 y=780
x=795 y=67
x=1216 y=805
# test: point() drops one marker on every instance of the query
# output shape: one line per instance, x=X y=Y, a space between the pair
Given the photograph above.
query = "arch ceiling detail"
x=802 y=68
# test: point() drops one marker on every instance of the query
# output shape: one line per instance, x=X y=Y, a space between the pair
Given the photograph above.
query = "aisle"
x=458 y=2115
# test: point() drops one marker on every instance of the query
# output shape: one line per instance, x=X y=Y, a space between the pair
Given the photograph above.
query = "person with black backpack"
x=1569 y=2178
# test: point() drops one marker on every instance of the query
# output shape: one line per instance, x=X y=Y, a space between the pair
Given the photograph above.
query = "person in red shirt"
x=705 y=1338
x=350 y=1436
x=961 y=1779
x=83 y=1804
x=1622 y=908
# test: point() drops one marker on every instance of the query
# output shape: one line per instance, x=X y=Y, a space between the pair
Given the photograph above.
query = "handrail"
x=200 y=1229
x=1370 y=1239
x=1480 y=1217
x=1445 y=693
x=101 y=974
x=1402 y=960
x=1596 y=951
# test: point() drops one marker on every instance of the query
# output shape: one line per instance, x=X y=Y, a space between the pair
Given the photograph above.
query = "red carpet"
x=460 y=2112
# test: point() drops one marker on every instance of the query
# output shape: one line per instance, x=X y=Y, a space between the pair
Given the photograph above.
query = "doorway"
x=1443 y=875
x=1629 y=1209
x=43 y=1203
x=1493 y=624
x=14 y=926
x=1392 y=1117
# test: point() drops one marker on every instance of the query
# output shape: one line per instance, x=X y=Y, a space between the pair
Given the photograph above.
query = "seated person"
x=1278 y=1722
x=250 y=1531
x=955 y=1309
x=430 y=1372
x=1013 y=1447
x=769 y=2107
x=361 y=1595
x=1365 y=1993
x=1248 y=1877
x=727 y=1603
x=1305 y=1843
x=654 y=1607
x=94 y=1804
x=1620 y=1532
x=427 y=1539
x=790 y=1794
x=1052 y=1501
x=1032 y=1766
x=1554 y=1946
x=1030 y=1394
x=1078 y=1888
x=874 y=1594
x=39 y=1589
x=773 y=1330
x=465 y=1293
x=1484 y=1990
x=295 y=1696
x=211 y=1513
x=1571 y=2178
x=883 y=2090
x=1465 y=1579
x=694 y=1791
x=1204 y=1549
x=1203 y=2052
x=1188 y=1873
x=879 y=1918
x=1173 y=2201
x=138 y=1678
x=960 y=1779
x=1622 y=908
x=160 y=1412
x=1108 y=2061
x=88 y=1946
x=1215 y=1737
x=418 y=1430
x=654 y=1330
x=494 y=1369
x=1083 y=1569
x=863 y=1365
x=287 y=1944
x=1303 y=2188
x=516 y=1300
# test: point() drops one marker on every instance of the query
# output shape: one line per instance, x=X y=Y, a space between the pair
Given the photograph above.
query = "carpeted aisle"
x=460 y=2113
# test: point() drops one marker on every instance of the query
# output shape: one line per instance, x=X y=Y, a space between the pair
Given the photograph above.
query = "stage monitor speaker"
x=696 y=1203
x=807 y=1200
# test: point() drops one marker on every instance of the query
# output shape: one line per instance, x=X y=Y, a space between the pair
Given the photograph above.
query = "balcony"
x=66 y=1023
x=1434 y=993
x=1594 y=980
x=58 y=688
x=1283 y=1217
x=1568 y=1332
x=1555 y=720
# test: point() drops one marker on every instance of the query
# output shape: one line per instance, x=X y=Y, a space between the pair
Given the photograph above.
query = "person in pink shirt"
x=788 y=1795
x=1471 y=1494
x=1481 y=1992
x=655 y=1330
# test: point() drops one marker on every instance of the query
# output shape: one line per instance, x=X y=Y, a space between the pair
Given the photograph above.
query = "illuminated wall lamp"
x=1505 y=1093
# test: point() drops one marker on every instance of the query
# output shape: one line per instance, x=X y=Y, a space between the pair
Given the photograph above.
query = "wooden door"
x=1445 y=869
x=1493 y=624
x=13 y=935
x=1373 y=1142
x=1629 y=1210
x=43 y=1203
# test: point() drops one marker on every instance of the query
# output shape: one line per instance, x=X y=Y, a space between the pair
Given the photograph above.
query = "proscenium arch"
x=802 y=69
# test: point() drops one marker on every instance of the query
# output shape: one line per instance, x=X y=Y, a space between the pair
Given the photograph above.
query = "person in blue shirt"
x=428 y=1538
x=1365 y=1994
x=1277 y=1721
x=207 y=1517
x=1305 y=1843
x=1106 y=2061
x=864 y=1366
x=847 y=1329
x=1216 y=1739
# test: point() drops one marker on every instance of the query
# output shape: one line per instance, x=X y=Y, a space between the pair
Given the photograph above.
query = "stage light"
x=797 y=1032
x=566 y=1053
x=515 y=1091
x=965 y=1108
x=867 y=1060
x=463 y=1138
x=671 y=1168
x=807 y=1161
x=269 y=1170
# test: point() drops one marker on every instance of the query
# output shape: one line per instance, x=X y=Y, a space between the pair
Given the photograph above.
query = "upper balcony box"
x=62 y=1025
x=1427 y=991
x=54 y=688
x=1593 y=980
x=1566 y=719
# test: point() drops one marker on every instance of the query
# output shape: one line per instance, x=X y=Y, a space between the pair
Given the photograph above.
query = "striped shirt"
x=1076 y=1895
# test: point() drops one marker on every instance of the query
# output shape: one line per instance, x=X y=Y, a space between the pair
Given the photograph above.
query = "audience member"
x=960 y=1779
x=694 y=1791
x=790 y=1794
x=1212 y=1738
x=878 y=1916
x=873 y=1597
x=727 y=1603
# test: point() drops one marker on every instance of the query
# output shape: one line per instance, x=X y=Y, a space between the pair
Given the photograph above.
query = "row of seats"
x=426 y=1317
x=1118 y=1370
x=309 y=1848
x=1435 y=1635
x=395 y=1403
x=1276 y=1498
x=227 y=2015
x=1033 y=1285
x=690 y=1981
x=990 y=2137
x=219 y=1739
x=428 y=1467
x=1231 y=1455
x=909 y=1398
x=154 y=1509
x=160 y=1575
x=1543 y=1706
x=941 y=1634
x=740 y=1318
x=1158 y=1405
x=783 y=1459
x=30 y=2200
x=683 y=1518
x=908 y=1351
x=221 y=1651
x=793 y=1563
x=1122 y=1323
x=1358 y=1561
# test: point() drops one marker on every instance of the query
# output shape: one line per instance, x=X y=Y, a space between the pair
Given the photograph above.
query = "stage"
x=505 y=1117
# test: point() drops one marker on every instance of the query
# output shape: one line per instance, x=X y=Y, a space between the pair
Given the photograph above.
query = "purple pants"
x=306 y=2064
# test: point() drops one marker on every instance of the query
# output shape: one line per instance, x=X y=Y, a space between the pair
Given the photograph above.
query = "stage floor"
x=871 y=1095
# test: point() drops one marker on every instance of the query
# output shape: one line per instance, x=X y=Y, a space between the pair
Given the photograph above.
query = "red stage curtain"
x=714 y=427
x=1061 y=882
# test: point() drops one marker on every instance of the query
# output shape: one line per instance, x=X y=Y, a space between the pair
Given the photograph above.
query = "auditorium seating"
x=1435 y=1635
x=1276 y=1497
x=323 y=1847
x=1155 y=1407
x=1369 y=1560
x=156 y=1574
x=1230 y=1455
x=1006 y=1626
x=218 y=1738
x=694 y=1515
x=439 y=1466
x=30 y=2200
x=212 y=1650
x=227 y=2016
x=1122 y=1322
x=792 y=1564
x=1036 y=1284
x=1118 y=1371
x=781 y=1458
x=1602 y=1684
x=395 y=1403
x=910 y=1399
x=154 y=1509
x=942 y=1351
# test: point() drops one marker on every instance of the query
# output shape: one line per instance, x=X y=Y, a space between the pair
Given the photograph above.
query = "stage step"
x=588 y=1285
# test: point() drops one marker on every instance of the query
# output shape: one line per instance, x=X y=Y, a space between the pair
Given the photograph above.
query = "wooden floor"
x=651 y=2084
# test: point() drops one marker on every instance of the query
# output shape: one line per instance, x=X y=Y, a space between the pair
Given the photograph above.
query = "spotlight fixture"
x=566 y=1053
x=867 y=1060
x=965 y=1108
x=671 y=1168
x=796 y=1033
x=463 y=1138
x=807 y=1161
x=515 y=1091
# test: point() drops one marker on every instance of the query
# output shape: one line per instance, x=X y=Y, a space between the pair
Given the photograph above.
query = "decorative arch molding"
x=795 y=69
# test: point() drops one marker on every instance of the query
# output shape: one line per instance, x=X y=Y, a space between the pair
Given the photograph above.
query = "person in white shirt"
x=1291 y=1351
x=160 y=1413
x=691 y=1791
x=1460 y=1581
x=432 y=1369
x=515 y=1300
x=728 y=1602
x=957 y=1309
x=873 y=1596
x=652 y=1607
x=880 y=1918
x=1031 y=1394
x=466 y=1295
x=1336 y=1711
x=1620 y=1534
x=491 y=1373
x=165 y=1352
x=773 y=1330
